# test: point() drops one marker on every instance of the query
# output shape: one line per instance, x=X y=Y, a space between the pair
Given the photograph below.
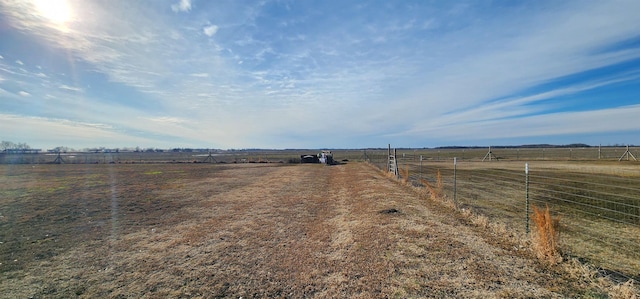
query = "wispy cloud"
x=519 y=106
x=64 y=132
x=553 y=124
x=166 y=119
x=183 y=5
x=200 y=75
x=269 y=72
x=69 y=88
x=24 y=93
x=210 y=30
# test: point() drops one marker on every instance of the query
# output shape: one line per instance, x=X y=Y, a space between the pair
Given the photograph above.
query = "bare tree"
x=61 y=149
x=5 y=145
x=9 y=145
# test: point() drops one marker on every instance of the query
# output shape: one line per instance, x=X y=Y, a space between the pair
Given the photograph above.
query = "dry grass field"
x=596 y=201
x=251 y=231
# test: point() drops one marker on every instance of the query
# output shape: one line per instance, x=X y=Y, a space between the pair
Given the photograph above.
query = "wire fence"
x=602 y=153
x=148 y=157
x=597 y=202
x=144 y=158
x=594 y=191
x=605 y=153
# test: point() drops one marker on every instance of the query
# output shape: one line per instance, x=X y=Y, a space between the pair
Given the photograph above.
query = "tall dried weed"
x=405 y=174
x=439 y=183
x=437 y=191
x=545 y=241
x=390 y=175
x=433 y=192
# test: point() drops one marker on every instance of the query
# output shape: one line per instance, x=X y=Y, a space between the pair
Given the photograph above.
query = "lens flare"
x=56 y=11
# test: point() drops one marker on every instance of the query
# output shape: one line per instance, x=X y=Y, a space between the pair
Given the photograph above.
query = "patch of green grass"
x=55 y=189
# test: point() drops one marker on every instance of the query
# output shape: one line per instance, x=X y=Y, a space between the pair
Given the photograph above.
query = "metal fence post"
x=526 y=175
x=570 y=153
x=404 y=163
x=389 y=158
x=421 y=167
x=455 y=189
x=599 y=151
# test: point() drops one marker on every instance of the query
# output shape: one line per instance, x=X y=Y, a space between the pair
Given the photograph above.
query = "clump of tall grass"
x=436 y=192
x=432 y=190
x=405 y=174
x=390 y=174
x=545 y=241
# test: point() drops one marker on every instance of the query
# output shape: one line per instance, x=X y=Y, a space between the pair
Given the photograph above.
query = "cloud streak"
x=72 y=133
x=553 y=124
x=267 y=73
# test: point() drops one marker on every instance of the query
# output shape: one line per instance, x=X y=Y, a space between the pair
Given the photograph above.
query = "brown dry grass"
x=433 y=192
x=546 y=237
x=605 y=287
x=436 y=192
x=251 y=231
x=625 y=290
x=405 y=174
x=590 y=275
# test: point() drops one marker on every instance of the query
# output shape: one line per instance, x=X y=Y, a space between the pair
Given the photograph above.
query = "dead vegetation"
x=405 y=174
x=436 y=193
x=433 y=192
x=545 y=239
x=251 y=231
x=544 y=243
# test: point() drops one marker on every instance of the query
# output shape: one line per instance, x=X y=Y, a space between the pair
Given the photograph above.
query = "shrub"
x=545 y=241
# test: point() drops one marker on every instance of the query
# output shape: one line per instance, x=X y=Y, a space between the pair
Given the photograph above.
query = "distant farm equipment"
x=324 y=157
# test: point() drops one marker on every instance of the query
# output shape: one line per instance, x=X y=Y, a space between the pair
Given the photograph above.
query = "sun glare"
x=57 y=11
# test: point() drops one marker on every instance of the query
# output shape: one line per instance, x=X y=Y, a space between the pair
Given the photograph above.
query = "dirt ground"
x=249 y=231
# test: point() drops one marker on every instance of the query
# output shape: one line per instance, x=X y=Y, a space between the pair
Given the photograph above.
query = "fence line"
x=606 y=153
x=599 y=204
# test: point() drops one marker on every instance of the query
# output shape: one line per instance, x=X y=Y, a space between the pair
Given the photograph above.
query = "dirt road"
x=263 y=231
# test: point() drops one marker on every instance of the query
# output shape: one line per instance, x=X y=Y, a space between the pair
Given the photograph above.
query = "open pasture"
x=249 y=230
x=597 y=202
x=179 y=157
x=608 y=153
x=475 y=154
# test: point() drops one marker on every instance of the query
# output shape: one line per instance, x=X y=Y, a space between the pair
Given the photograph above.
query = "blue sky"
x=318 y=74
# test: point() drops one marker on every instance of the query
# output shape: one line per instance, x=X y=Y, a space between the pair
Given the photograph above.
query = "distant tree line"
x=8 y=145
